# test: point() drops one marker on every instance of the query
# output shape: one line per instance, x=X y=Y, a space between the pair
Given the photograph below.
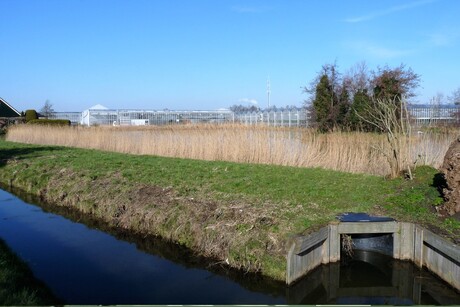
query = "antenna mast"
x=268 y=91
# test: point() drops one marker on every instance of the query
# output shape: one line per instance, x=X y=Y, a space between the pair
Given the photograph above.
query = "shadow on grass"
x=440 y=183
x=19 y=153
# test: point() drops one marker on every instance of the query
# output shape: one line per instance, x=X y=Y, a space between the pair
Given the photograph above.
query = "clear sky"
x=210 y=54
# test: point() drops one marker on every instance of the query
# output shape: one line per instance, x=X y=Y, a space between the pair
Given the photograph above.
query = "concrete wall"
x=439 y=256
x=410 y=242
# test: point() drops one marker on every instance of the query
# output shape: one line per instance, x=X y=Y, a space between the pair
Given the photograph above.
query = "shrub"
x=50 y=122
x=31 y=115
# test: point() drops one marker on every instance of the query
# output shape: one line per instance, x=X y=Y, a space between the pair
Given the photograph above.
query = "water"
x=84 y=265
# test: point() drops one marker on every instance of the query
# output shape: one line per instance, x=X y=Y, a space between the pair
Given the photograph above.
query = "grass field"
x=350 y=152
x=239 y=213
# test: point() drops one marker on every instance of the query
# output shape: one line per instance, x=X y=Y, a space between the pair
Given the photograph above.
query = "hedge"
x=50 y=122
x=31 y=115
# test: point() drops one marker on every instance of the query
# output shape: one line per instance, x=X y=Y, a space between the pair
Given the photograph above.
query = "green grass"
x=18 y=286
x=241 y=212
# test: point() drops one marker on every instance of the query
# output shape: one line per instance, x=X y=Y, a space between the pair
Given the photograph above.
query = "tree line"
x=349 y=101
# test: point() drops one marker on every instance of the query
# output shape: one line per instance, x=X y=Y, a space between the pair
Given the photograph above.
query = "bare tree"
x=392 y=118
x=357 y=78
x=47 y=109
x=455 y=98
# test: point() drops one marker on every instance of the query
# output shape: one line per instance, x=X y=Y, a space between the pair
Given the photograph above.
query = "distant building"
x=6 y=110
x=92 y=114
x=432 y=114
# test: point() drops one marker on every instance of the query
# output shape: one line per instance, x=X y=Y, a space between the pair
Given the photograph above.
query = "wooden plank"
x=305 y=242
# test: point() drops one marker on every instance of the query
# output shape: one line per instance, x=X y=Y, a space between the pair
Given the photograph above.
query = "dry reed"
x=344 y=151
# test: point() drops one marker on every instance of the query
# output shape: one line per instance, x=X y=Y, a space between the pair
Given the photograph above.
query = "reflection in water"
x=84 y=265
x=371 y=278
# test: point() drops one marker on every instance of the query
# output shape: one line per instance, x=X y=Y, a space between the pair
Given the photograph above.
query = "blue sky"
x=210 y=54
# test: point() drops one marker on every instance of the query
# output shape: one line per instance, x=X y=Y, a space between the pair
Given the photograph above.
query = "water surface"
x=82 y=264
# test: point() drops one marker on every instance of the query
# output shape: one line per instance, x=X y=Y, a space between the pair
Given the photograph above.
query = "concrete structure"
x=410 y=242
x=400 y=284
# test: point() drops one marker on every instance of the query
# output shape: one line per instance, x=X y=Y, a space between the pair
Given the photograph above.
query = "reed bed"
x=353 y=152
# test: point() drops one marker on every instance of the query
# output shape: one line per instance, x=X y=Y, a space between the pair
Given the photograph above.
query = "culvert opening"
x=382 y=243
x=366 y=262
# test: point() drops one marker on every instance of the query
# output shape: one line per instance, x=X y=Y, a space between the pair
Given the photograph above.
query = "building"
x=420 y=115
x=7 y=111
x=431 y=114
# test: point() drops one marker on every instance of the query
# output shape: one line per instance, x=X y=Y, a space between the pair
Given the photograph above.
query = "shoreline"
x=155 y=196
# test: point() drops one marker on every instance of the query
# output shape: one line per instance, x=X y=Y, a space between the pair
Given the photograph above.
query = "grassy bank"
x=18 y=286
x=350 y=152
x=240 y=214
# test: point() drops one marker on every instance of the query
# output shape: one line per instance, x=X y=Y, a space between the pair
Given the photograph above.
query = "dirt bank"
x=222 y=230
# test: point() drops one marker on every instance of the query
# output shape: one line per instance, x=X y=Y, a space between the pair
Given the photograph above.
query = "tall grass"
x=345 y=151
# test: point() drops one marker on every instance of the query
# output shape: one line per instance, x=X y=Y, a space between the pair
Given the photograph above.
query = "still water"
x=82 y=264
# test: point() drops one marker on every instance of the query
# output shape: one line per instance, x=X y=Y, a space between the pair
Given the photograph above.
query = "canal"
x=83 y=262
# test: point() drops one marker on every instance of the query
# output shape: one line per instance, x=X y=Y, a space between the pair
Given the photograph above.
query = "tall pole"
x=268 y=91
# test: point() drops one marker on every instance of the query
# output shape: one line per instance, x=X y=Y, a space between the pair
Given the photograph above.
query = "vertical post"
x=418 y=247
x=334 y=243
x=326 y=248
x=407 y=239
x=268 y=91
x=397 y=243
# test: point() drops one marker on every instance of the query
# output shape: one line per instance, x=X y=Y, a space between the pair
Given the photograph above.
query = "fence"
x=295 y=117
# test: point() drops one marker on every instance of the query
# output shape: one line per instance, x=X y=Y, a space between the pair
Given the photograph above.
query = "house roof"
x=6 y=110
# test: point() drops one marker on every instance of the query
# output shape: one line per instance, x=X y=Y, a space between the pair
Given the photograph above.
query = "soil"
x=451 y=171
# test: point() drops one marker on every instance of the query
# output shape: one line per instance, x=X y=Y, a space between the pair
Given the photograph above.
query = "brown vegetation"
x=451 y=170
x=219 y=229
x=351 y=152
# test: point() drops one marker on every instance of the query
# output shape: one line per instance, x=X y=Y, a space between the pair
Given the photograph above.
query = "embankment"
x=243 y=215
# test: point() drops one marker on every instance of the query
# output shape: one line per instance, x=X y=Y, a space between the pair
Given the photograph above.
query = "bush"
x=31 y=115
x=50 y=122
